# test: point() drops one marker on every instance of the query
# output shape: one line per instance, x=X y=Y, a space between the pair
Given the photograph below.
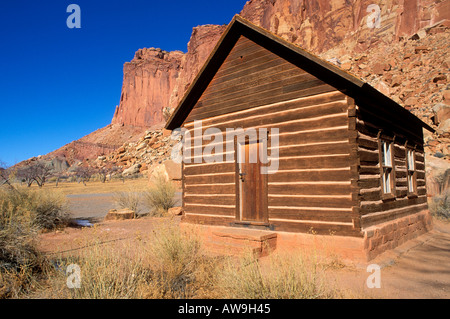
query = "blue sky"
x=59 y=84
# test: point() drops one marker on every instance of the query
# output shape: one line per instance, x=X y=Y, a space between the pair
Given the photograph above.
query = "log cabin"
x=343 y=162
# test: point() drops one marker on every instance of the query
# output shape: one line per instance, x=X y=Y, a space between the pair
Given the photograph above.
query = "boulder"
x=173 y=169
x=141 y=146
x=441 y=113
x=132 y=170
x=168 y=170
x=175 y=211
x=437 y=175
x=122 y=214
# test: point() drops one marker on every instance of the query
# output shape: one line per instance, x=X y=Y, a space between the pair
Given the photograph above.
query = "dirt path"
x=94 y=207
x=416 y=270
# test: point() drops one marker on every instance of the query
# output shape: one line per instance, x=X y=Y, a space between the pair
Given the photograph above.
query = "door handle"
x=241 y=176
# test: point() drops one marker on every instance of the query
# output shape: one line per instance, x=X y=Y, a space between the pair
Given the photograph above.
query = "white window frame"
x=387 y=167
x=411 y=170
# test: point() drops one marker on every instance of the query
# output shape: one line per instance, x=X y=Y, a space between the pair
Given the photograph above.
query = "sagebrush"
x=23 y=213
x=160 y=197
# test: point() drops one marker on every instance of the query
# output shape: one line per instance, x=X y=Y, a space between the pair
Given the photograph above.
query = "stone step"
x=236 y=241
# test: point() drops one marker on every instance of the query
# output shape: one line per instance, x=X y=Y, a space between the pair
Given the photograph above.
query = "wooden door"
x=252 y=206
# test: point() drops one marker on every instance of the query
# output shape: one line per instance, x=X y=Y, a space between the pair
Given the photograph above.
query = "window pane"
x=386 y=181
x=410 y=160
x=410 y=183
x=386 y=154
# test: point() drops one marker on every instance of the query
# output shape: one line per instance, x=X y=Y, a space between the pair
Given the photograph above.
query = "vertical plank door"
x=252 y=184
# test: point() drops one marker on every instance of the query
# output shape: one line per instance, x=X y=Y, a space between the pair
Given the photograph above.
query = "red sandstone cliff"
x=148 y=81
x=156 y=79
x=202 y=42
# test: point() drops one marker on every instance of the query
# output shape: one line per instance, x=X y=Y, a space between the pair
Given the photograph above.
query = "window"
x=387 y=170
x=411 y=171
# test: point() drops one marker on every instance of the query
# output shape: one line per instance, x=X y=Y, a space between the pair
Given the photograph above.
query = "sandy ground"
x=418 y=269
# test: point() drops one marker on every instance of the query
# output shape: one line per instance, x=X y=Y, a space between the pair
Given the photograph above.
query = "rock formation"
x=202 y=42
x=148 y=81
x=319 y=25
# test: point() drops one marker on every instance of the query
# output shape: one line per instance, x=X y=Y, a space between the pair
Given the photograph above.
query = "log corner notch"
x=354 y=163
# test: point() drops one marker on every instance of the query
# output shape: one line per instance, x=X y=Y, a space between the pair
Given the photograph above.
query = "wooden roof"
x=320 y=68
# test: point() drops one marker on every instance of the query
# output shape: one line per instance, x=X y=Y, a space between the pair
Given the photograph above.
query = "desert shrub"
x=276 y=277
x=160 y=197
x=20 y=220
x=128 y=199
x=439 y=205
x=177 y=262
x=47 y=209
x=50 y=210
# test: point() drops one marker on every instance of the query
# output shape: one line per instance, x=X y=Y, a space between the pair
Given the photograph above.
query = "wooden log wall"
x=373 y=209
x=312 y=188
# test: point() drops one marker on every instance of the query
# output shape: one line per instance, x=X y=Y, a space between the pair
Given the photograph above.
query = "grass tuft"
x=160 y=197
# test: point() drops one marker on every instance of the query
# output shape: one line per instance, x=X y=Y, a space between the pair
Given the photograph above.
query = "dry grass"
x=128 y=199
x=439 y=206
x=24 y=212
x=160 y=196
x=278 y=276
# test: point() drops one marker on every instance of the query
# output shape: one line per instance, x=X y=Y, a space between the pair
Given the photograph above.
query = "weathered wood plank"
x=369 y=170
x=210 y=189
x=268 y=97
x=209 y=220
x=371 y=194
x=384 y=216
x=328 y=215
x=310 y=175
x=302 y=201
x=210 y=179
x=378 y=206
x=318 y=136
x=315 y=149
x=318 y=116
x=309 y=189
x=221 y=199
x=368 y=157
x=285 y=122
x=194 y=169
x=369 y=182
x=313 y=162
x=368 y=143
x=333 y=97
x=209 y=209
x=304 y=138
x=265 y=82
